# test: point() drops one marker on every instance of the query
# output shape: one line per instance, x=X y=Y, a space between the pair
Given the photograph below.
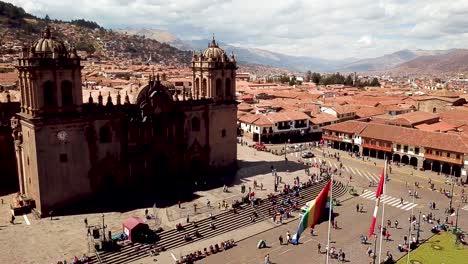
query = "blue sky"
x=331 y=29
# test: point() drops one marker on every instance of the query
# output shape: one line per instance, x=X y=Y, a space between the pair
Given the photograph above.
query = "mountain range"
x=400 y=61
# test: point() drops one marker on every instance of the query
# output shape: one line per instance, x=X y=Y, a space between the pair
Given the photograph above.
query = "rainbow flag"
x=315 y=211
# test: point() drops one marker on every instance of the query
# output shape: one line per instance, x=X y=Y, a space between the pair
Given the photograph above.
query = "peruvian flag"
x=378 y=194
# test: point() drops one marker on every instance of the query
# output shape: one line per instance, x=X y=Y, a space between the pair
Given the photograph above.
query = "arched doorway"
x=356 y=149
x=414 y=161
x=456 y=170
x=365 y=152
x=342 y=146
x=436 y=166
x=349 y=147
x=396 y=158
x=427 y=165
x=373 y=153
x=446 y=168
x=380 y=154
x=336 y=144
x=388 y=155
x=405 y=159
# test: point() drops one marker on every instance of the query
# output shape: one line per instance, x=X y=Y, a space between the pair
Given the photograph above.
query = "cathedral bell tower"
x=214 y=74
x=49 y=78
x=48 y=131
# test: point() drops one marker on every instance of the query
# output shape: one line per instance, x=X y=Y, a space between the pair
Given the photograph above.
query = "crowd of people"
x=212 y=249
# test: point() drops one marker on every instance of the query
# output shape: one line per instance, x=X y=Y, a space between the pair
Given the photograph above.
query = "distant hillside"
x=454 y=60
x=18 y=27
x=388 y=61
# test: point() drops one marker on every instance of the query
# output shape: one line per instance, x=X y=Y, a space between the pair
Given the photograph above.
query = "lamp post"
x=286 y=148
x=375 y=248
x=451 y=197
x=103 y=229
x=419 y=227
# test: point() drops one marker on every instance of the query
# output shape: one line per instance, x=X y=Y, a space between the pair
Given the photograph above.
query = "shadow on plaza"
x=166 y=195
x=249 y=169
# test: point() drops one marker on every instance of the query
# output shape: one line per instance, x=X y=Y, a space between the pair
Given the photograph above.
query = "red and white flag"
x=378 y=194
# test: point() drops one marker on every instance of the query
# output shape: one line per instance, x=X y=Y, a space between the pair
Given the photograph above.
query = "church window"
x=195 y=124
x=105 y=135
x=219 y=88
x=63 y=158
x=67 y=94
x=49 y=94
x=204 y=85
x=223 y=133
x=227 y=87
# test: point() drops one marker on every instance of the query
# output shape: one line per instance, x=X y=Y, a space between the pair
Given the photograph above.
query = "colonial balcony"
x=443 y=158
x=370 y=146
x=330 y=137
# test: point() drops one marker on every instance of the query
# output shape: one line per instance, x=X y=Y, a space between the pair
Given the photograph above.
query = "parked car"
x=307 y=154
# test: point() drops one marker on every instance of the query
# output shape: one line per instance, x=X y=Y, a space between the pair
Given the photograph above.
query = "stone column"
x=19 y=164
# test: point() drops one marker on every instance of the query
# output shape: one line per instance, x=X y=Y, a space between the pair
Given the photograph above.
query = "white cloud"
x=325 y=28
x=365 y=41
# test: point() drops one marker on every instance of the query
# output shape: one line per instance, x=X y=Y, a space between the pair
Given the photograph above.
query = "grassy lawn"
x=440 y=249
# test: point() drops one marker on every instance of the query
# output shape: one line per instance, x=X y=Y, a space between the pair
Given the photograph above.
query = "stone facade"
x=67 y=150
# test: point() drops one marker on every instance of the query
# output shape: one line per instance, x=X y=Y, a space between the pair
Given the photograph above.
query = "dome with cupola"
x=214 y=51
x=48 y=45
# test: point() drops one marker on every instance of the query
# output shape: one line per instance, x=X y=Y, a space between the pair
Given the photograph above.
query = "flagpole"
x=329 y=216
x=383 y=210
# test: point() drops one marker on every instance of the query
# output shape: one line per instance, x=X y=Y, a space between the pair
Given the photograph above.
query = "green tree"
x=374 y=82
x=85 y=46
x=316 y=77
x=47 y=18
x=349 y=80
x=308 y=76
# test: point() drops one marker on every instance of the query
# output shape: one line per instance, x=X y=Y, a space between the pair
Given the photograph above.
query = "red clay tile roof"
x=322 y=118
x=437 y=127
x=403 y=135
x=351 y=127
x=369 y=111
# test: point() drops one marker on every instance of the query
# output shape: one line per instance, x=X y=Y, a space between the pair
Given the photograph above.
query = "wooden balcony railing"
x=383 y=148
x=443 y=158
x=330 y=137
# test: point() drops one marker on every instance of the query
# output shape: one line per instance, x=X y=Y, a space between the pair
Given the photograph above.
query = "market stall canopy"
x=134 y=228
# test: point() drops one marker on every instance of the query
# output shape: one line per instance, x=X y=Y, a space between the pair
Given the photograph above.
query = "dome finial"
x=46 y=33
x=213 y=42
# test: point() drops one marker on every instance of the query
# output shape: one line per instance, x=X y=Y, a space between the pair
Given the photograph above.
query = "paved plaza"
x=32 y=240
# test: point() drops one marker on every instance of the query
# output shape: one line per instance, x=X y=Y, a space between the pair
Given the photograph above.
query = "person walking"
x=357 y=208
x=86 y=222
x=288 y=237
x=319 y=248
x=396 y=224
x=267 y=259
x=280 y=238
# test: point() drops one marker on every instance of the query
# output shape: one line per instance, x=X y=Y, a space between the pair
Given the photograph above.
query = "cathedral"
x=68 y=150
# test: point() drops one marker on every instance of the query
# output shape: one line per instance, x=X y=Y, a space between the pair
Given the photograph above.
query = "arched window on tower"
x=197 y=87
x=49 y=94
x=105 y=134
x=203 y=92
x=227 y=88
x=219 y=88
x=67 y=94
x=195 y=124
